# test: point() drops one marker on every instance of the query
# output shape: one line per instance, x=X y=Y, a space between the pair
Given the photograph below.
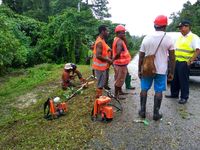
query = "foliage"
x=100 y=9
x=42 y=9
x=38 y=9
x=189 y=12
x=66 y=37
x=18 y=36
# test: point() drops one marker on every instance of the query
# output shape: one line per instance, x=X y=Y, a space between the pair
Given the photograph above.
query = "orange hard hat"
x=160 y=20
x=119 y=28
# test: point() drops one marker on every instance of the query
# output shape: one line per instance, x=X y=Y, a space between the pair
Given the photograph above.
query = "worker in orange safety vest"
x=121 y=58
x=101 y=61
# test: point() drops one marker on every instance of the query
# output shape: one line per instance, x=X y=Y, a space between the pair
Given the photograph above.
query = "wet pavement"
x=178 y=130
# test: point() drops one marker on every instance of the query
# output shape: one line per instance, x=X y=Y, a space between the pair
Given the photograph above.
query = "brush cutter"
x=53 y=108
x=112 y=96
x=84 y=85
x=102 y=109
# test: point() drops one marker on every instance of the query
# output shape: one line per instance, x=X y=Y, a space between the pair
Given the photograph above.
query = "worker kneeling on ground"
x=69 y=73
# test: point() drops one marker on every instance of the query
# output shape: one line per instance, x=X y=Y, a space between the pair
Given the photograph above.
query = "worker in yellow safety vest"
x=187 y=49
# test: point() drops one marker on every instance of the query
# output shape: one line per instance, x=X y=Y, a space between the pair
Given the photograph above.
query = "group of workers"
x=172 y=62
x=102 y=60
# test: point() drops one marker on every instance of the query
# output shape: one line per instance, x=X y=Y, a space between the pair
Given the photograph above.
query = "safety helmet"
x=120 y=28
x=68 y=66
x=160 y=20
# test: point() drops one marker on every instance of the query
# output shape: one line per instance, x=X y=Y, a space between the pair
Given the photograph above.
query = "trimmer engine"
x=102 y=109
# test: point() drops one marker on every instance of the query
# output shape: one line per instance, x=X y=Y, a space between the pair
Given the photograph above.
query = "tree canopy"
x=189 y=12
x=60 y=31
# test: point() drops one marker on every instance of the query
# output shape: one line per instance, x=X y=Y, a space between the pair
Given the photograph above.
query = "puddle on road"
x=133 y=66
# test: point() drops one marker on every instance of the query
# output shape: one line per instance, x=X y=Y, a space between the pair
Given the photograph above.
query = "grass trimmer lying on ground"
x=54 y=108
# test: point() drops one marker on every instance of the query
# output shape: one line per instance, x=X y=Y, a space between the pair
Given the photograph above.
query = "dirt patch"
x=24 y=101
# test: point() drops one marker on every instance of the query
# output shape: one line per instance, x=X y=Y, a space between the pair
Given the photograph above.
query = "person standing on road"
x=101 y=61
x=148 y=47
x=187 y=49
x=121 y=59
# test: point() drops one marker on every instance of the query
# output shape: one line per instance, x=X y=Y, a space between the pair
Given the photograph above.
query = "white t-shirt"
x=149 y=46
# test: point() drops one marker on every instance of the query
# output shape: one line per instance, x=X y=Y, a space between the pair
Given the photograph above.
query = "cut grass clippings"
x=25 y=127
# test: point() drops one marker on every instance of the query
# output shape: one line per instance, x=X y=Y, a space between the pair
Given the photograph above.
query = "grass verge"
x=24 y=127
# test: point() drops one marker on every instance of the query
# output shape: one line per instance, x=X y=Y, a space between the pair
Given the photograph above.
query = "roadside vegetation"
x=37 y=38
x=22 y=125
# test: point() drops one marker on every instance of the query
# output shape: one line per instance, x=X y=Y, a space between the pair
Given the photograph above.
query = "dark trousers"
x=181 y=80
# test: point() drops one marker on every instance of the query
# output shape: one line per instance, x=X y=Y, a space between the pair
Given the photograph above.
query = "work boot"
x=157 y=103
x=107 y=87
x=142 y=112
x=121 y=92
x=99 y=93
x=117 y=93
x=128 y=82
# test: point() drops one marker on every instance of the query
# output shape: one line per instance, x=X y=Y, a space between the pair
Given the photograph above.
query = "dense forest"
x=58 y=31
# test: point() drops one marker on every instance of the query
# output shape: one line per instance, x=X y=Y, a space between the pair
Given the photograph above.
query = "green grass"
x=25 y=127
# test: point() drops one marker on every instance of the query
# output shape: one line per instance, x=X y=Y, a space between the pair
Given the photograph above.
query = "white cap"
x=68 y=66
x=56 y=99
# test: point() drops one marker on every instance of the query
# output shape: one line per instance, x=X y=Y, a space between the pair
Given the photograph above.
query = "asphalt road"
x=178 y=130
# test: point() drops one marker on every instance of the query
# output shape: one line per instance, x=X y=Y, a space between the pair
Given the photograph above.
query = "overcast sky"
x=138 y=15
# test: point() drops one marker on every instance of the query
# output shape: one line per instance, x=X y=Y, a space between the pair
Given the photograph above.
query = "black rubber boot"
x=142 y=112
x=157 y=103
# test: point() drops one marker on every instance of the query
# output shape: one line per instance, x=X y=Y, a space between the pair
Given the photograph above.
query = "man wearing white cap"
x=66 y=77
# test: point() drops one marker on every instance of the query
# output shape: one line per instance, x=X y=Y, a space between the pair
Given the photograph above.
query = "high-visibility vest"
x=98 y=64
x=184 y=51
x=125 y=56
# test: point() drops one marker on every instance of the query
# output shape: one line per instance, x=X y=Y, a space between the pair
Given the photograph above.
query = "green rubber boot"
x=128 y=82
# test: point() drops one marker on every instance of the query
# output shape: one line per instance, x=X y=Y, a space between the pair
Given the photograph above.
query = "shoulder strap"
x=160 y=43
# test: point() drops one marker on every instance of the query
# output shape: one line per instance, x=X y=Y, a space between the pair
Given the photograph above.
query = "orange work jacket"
x=125 y=57
x=98 y=64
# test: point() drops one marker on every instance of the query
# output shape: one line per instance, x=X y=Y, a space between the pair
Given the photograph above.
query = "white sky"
x=138 y=15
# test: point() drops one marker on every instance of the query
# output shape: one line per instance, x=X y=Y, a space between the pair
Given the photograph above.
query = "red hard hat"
x=119 y=28
x=160 y=20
